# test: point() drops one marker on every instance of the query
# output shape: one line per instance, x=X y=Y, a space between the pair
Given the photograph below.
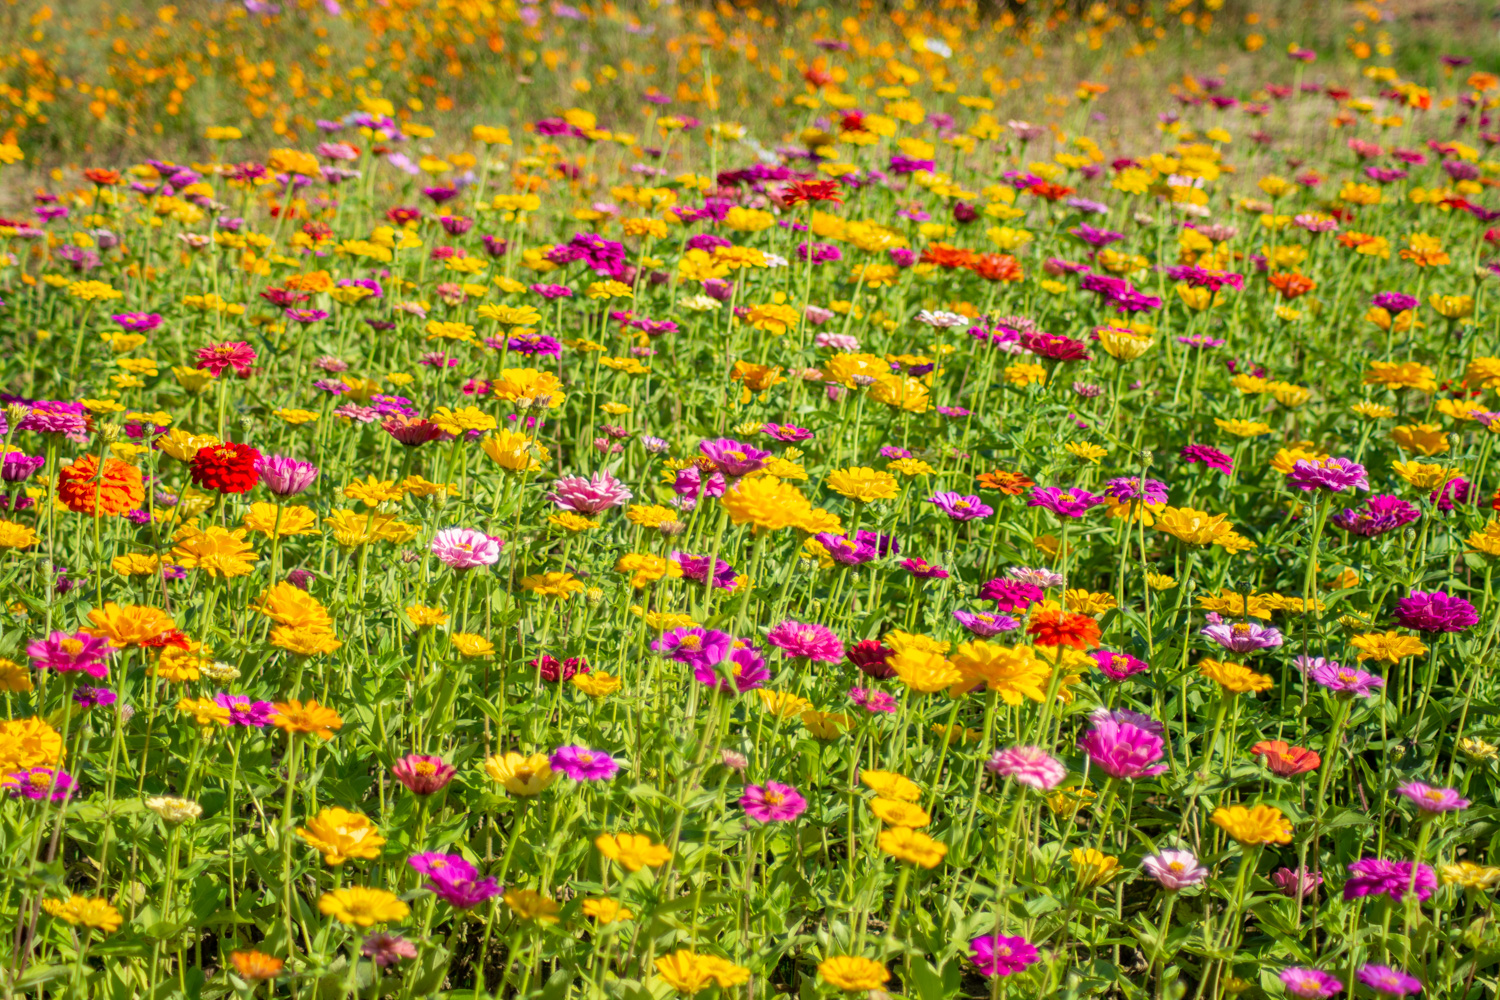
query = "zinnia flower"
x=83 y=653
x=694 y=646
x=1175 y=870
x=1388 y=982
x=995 y=955
x=583 y=764
x=1123 y=750
x=84 y=490
x=1242 y=637
x=1375 y=877
x=804 y=641
x=1435 y=612
x=589 y=495
x=1310 y=983
x=1433 y=800
x=465 y=548
x=1029 y=766
x=423 y=774
x=772 y=802
x=227 y=467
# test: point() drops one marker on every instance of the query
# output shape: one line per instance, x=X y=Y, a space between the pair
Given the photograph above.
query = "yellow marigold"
x=423 y=616
x=890 y=785
x=14 y=677
x=286 y=604
x=1093 y=868
x=296 y=717
x=1401 y=375
x=863 y=485
x=16 y=536
x=131 y=625
x=511 y=450
x=1195 y=527
x=1243 y=428
x=359 y=906
x=767 y=503
x=80 y=911
x=523 y=776
x=633 y=850
x=1387 y=647
x=924 y=671
x=782 y=705
x=596 y=683
x=554 y=584
x=605 y=910
x=1424 y=439
x=645 y=569
x=1235 y=678
x=914 y=846
x=205 y=711
x=528 y=385
x=28 y=743
x=1012 y=672
x=853 y=974
x=264 y=519
x=181 y=665
x=528 y=904
x=340 y=835
x=772 y=318
x=690 y=973
x=1254 y=825
x=1286 y=459
x=894 y=812
x=471 y=646
x=1471 y=876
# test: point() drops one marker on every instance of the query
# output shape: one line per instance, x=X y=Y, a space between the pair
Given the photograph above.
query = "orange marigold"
x=1061 y=628
x=83 y=490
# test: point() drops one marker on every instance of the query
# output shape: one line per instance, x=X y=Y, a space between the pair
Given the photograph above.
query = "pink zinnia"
x=230 y=354
x=772 y=802
x=71 y=653
x=813 y=642
x=1029 y=766
x=583 y=764
x=466 y=548
x=423 y=774
x=1063 y=503
x=1433 y=800
x=1122 y=750
x=283 y=476
x=589 y=495
x=872 y=701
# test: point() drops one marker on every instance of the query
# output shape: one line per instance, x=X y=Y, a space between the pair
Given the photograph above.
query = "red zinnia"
x=228 y=468
x=1287 y=760
x=870 y=656
x=1061 y=628
x=1055 y=347
x=811 y=191
x=1052 y=192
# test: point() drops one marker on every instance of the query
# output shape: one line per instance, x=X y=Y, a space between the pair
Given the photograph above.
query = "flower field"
x=747 y=502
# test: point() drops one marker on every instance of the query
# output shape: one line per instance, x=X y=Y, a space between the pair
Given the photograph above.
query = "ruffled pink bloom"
x=466 y=548
x=230 y=354
x=80 y=653
x=1029 y=766
x=1122 y=750
x=589 y=495
x=772 y=802
x=812 y=642
x=423 y=774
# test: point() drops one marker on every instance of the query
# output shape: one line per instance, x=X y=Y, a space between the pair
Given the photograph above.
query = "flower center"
x=773 y=799
x=692 y=642
x=426 y=769
x=1067 y=498
x=71 y=646
x=1176 y=866
x=1241 y=629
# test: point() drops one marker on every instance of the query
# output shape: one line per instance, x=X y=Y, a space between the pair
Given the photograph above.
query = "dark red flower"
x=870 y=656
x=1055 y=347
x=553 y=670
x=228 y=468
x=811 y=191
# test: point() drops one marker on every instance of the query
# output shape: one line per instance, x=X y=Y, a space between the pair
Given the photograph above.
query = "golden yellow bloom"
x=16 y=536
x=1471 y=876
x=1092 y=867
x=372 y=492
x=561 y=585
x=894 y=812
x=914 y=846
x=523 y=776
x=1424 y=439
x=690 y=973
x=596 y=683
x=1255 y=825
x=341 y=835
x=605 y=910
x=14 y=677
x=510 y=450
x=767 y=503
x=423 y=616
x=1423 y=475
x=530 y=387
x=1452 y=306
x=528 y=904
x=1195 y=527
x=1483 y=373
x=1401 y=375
x=471 y=646
x=1243 y=428
x=782 y=705
x=863 y=485
x=353 y=528
x=853 y=974
x=1388 y=647
x=294 y=717
x=1012 y=672
x=890 y=785
x=131 y=625
x=362 y=907
x=1235 y=678
x=633 y=850
x=205 y=711
x=305 y=640
x=80 y=911
x=924 y=671
x=216 y=551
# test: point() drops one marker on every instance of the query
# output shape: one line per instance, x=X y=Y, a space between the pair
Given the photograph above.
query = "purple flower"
x=1242 y=637
x=1175 y=869
x=1010 y=595
x=39 y=783
x=873 y=701
x=696 y=568
x=90 y=697
x=1029 y=766
x=1299 y=882
x=1310 y=983
x=841 y=548
x=1063 y=503
x=787 y=433
x=1395 y=302
x=589 y=495
x=924 y=570
x=17 y=468
x=746 y=669
x=1332 y=474
x=138 y=322
x=959 y=507
x=283 y=476
x=1118 y=666
x=81 y=653
x=1388 y=982
x=452 y=879
x=805 y=641
x=1376 y=877
x=1340 y=680
x=1096 y=237
x=1381 y=513
x=1001 y=956
x=244 y=712
x=984 y=624
x=1128 y=488
x=1433 y=800
x=691 y=484
x=772 y=802
x=734 y=458
x=1435 y=612
x=1123 y=750
x=583 y=764
x=385 y=950
x=694 y=646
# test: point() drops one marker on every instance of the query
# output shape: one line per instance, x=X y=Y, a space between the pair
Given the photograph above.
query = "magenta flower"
x=1123 y=750
x=1433 y=800
x=1211 y=457
x=843 y=549
x=696 y=568
x=1435 y=612
x=804 y=641
x=873 y=701
x=1344 y=681
x=1131 y=488
x=924 y=570
x=1118 y=666
x=1063 y=503
x=229 y=354
x=691 y=485
x=959 y=507
x=1125 y=715
x=1029 y=766
x=984 y=624
x=1001 y=956
x=285 y=477
x=465 y=548
x=1011 y=595
x=1314 y=984
x=553 y=670
x=1242 y=637
x=1175 y=869
x=89 y=697
x=1379 y=515
x=787 y=433
x=79 y=653
x=452 y=879
x=39 y=783
x=583 y=764
x=244 y=712
x=589 y=495
x=733 y=458
x=772 y=803
x=1376 y=877
x=423 y=774
x=1388 y=982
x=1040 y=577
x=1333 y=474
x=1296 y=882
x=746 y=667
x=694 y=646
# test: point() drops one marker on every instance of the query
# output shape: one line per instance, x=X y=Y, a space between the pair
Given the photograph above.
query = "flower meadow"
x=867 y=540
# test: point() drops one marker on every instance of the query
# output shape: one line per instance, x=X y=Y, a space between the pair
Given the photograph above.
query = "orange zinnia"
x=946 y=256
x=1292 y=285
x=256 y=966
x=1060 y=628
x=83 y=490
x=997 y=267
x=1012 y=484
x=297 y=717
x=1286 y=760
